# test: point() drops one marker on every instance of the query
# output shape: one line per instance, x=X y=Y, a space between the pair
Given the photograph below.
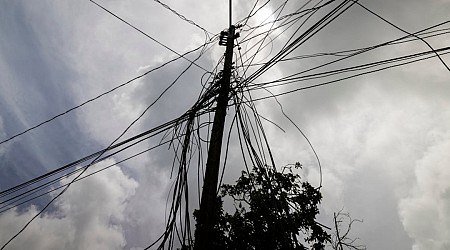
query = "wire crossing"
x=254 y=48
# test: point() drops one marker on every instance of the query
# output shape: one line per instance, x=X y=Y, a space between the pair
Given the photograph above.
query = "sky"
x=382 y=138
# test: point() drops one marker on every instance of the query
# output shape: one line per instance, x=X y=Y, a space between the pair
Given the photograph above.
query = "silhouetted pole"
x=205 y=220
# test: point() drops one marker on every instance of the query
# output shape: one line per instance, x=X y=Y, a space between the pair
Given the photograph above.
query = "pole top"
x=230 y=10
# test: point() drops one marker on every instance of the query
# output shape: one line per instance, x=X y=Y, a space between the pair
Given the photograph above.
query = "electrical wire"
x=183 y=17
x=290 y=80
x=97 y=157
x=147 y=35
x=102 y=94
x=397 y=27
x=367 y=49
x=345 y=78
x=183 y=135
x=7 y=207
x=147 y=134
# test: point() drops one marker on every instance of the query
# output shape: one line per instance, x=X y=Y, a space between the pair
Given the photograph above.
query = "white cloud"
x=87 y=216
x=425 y=212
x=375 y=147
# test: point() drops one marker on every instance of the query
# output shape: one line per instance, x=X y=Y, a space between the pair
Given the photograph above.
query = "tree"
x=273 y=210
x=340 y=239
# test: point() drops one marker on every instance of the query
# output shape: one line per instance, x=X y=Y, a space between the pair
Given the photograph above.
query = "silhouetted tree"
x=273 y=210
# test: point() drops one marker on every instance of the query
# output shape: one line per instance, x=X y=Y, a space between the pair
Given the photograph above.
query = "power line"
x=248 y=121
x=147 y=35
x=397 y=27
x=182 y=17
x=364 y=50
x=140 y=138
x=287 y=49
x=304 y=136
x=97 y=157
x=349 y=52
x=81 y=178
x=103 y=94
x=289 y=80
x=285 y=22
x=342 y=79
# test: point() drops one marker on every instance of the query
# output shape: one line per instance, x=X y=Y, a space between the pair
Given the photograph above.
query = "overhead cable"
x=148 y=36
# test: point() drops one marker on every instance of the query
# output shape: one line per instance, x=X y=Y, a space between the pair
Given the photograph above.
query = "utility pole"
x=205 y=220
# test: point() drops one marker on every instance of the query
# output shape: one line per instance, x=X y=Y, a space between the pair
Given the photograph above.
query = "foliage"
x=273 y=210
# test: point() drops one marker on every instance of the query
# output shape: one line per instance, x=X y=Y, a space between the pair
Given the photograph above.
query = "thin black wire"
x=346 y=52
x=367 y=49
x=397 y=27
x=285 y=80
x=23 y=185
x=260 y=130
x=102 y=94
x=249 y=147
x=181 y=184
x=299 y=11
x=315 y=8
x=238 y=103
x=251 y=14
x=147 y=35
x=226 y=154
x=343 y=53
x=304 y=136
x=323 y=22
x=288 y=49
x=43 y=186
x=265 y=34
x=283 y=5
x=149 y=133
x=111 y=144
x=182 y=17
x=81 y=178
x=180 y=187
x=344 y=78
x=183 y=232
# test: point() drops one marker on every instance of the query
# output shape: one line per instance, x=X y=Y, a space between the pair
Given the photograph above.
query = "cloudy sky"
x=382 y=138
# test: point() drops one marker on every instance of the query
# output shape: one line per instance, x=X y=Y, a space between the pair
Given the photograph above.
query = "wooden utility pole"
x=205 y=220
